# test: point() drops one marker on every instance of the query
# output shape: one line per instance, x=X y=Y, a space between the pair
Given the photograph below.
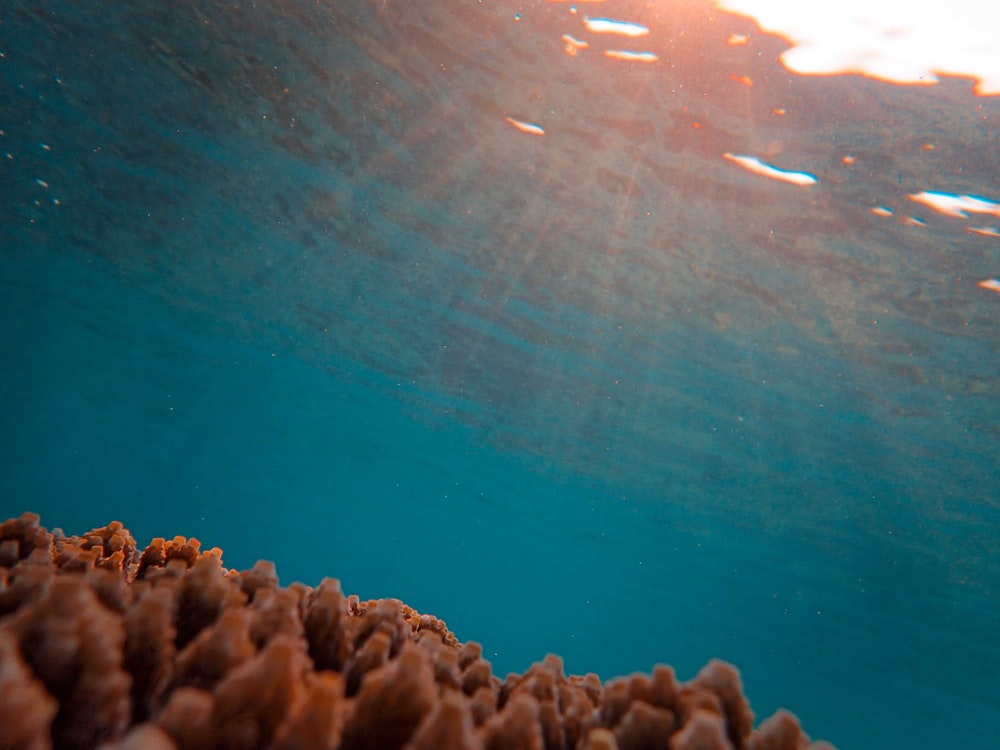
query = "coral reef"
x=102 y=645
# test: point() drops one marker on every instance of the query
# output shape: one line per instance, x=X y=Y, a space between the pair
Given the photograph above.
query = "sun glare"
x=895 y=40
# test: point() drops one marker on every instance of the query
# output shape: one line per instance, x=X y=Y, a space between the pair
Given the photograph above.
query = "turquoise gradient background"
x=282 y=289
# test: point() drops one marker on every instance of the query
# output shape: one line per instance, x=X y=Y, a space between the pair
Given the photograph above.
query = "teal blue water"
x=363 y=341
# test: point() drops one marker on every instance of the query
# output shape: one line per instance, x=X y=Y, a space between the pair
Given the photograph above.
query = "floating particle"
x=957 y=206
x=610 y=26
x=630 y=55
x=755 y=165
x=526 y=127
x=573 y=45
x=984 y=231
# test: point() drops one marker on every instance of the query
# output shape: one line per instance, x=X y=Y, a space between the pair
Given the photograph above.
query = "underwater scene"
x=624 y=331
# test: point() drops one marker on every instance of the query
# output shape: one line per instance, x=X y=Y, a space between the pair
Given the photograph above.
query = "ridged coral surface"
x=102 y=645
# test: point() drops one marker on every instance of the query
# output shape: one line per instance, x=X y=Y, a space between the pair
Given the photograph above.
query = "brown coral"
x=101 y=645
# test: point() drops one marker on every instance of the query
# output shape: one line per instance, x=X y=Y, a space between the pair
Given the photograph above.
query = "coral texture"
x=102 y=645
